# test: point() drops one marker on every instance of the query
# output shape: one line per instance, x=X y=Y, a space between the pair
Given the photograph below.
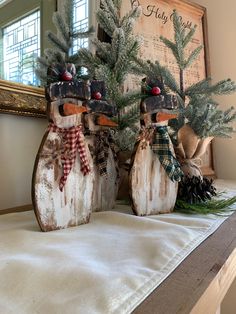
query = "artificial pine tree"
x=60 y=60
x=199 y=119
x=113 y=61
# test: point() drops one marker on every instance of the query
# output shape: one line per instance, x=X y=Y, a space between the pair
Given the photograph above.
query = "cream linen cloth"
x=107 y=266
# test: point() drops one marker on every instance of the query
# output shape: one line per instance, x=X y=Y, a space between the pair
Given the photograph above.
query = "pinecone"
x=196 y=189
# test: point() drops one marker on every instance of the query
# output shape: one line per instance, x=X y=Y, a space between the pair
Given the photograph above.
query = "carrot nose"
x=70 y=109
x=163 y=116
x=105 y=121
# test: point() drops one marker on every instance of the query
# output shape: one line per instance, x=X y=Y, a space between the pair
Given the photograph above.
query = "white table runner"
x=107 y=266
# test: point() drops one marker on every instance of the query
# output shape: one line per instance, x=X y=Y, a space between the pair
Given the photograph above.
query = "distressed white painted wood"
x=64 y=121
x=151 y=190
x=105 y=188
x=71 y=207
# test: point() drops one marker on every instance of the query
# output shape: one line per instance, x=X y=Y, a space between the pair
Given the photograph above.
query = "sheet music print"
x=156 y=20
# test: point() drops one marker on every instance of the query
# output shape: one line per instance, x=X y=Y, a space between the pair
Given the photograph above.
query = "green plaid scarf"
x=161 y=146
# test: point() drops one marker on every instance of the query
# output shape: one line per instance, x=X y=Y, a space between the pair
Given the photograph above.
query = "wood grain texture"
x=152 y=191
x=73 y=89
x=105 y=188
x=216 y=291
x=71 y=207
x=67 y=121
x=16 y=209
x=55 y=209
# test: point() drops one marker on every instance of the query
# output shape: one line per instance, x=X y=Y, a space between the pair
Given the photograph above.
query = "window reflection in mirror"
x=22 y=37
x=20 y=49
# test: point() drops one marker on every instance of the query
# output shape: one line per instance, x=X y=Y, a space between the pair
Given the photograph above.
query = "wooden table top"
x=206 y=274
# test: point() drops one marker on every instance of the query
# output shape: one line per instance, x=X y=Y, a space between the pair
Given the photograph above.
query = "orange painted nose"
x=105 y=121
x=163 y=116
x=70 y=109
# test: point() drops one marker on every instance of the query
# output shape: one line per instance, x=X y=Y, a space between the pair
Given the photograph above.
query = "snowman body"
x=106 y=185
x=152 y=191
x=59 y=207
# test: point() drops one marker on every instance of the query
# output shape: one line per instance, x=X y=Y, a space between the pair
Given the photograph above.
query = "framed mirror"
x=22 y=40
x=22 y=100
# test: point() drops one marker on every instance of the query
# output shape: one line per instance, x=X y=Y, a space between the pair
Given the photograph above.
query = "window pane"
x=80 y=22
x=21 y=47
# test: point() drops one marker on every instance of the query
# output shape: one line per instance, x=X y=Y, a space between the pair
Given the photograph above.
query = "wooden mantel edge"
x=213 y=296
x=17 y=209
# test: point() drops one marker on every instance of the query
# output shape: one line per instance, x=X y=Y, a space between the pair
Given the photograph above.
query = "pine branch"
x=178 y=35
x=200 y=87
x=133 y=14
x=83 y=33
x=169 y=44
x=117 y=4
x=57 y=42
x=206 y=120
x=126 y=138
x=89 y=61
x=169 y=79
x=223 y=87
x=109 y=7
x=118 y=43
x=128 y=99
x=68 y=14
x=128 y=21
x=155 y=70
x=214 y=206
x=193 y=56
x=42 y=75
x=61 y=26
x=103 y=72
x=43 y=62
x=129 y=117
x=103 y=51
x=105 y=22
x=141 y=67
x=126 y=52
x=189 y=36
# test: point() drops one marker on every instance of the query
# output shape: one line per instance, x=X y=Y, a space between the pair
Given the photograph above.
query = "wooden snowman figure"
x=98 y=130
x=63 y=177
x=155 y=172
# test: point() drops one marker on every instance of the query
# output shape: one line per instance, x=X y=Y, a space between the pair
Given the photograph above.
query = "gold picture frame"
x=23 y=100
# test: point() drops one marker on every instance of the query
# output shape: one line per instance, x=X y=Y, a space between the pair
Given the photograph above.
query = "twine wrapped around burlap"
x=190 y=150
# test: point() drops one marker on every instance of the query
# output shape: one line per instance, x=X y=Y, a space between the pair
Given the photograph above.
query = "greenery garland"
x=213 y=206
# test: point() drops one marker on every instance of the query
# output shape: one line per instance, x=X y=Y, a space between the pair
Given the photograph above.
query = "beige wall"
x=222 y=41
x=19 y=139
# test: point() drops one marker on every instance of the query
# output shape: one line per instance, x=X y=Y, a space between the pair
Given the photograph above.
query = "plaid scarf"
x=73 y=141
x=161 y=146
x=104 y=141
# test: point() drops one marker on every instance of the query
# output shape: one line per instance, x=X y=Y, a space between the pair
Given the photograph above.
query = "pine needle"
x=213 y=206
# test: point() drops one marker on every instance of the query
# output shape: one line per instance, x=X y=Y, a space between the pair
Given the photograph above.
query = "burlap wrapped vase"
x=190 y=149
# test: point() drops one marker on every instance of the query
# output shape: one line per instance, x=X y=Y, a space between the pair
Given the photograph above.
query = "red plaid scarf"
x=73 y=141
